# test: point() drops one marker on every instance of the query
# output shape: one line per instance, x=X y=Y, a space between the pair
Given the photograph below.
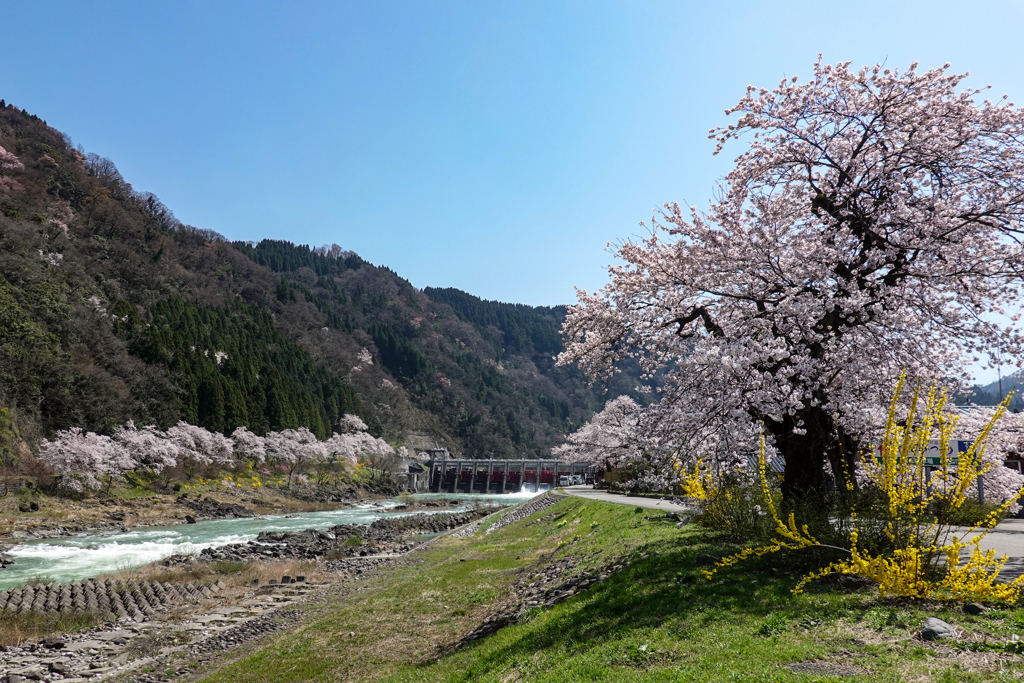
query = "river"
x=89 y=555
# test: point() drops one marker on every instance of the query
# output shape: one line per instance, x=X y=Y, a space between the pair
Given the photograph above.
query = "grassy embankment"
x=656 y=620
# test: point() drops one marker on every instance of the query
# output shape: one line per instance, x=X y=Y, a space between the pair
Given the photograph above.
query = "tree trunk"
x=804 y=484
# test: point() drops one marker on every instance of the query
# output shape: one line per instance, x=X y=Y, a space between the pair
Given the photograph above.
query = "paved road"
x=1007 y=538
x=653 y=503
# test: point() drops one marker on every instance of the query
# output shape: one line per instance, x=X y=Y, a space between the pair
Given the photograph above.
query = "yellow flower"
x=899 y=474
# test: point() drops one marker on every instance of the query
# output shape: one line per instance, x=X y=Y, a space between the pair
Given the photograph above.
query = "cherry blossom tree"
x=10 y=162
x=350 y=424
x=60 y=214
x=352 y=444
x=612 y=437
x=294 y=449
x=1006 y=439
x=149 y=448
x=341 y=452
x=10 y=185
x=249 y=446
x=84 y=460
x=331 y=463
x=198 y=448
x=872 y=224
x=378 y=458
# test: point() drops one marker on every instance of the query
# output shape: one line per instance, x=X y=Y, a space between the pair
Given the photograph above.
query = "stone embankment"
x=385 y=536
x=523 y=511
x=148 y=649
x=112 y=598
x=357 y=567
x=205 y=623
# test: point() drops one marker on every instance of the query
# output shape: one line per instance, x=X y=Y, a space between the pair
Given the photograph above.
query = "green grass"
x=659 y=619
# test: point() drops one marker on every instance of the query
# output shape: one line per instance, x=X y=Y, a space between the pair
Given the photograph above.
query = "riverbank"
x=87 y=555
x=557 y=589
x=34 y=515
x=591 y=591
x=196 y=608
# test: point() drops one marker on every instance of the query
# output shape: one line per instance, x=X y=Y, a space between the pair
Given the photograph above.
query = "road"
x=1006 y=539
x=653 y=503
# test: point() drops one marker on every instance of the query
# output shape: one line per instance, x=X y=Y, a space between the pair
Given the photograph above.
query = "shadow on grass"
x=669 y=586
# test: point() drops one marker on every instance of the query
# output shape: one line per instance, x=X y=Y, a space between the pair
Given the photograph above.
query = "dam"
x=448 y=475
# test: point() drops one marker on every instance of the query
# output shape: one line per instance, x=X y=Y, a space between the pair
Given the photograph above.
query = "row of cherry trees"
x=85 y=460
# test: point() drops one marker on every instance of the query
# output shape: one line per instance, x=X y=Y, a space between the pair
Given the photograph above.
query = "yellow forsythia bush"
x=925 y=557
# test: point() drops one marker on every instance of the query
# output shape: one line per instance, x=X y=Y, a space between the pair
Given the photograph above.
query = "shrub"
x=737 y=506
x=896 y=543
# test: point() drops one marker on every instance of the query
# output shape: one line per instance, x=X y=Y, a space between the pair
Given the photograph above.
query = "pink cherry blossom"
x=249 y=446
x=198 y=448
x=84 y=460
x=60 y=215
x=9 y=162
x=871 y=224
x=149 y=448
x=349 y=424
x=612 y=437
x=294 y=449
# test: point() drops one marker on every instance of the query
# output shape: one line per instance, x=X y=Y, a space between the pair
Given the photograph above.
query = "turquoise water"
x=89 y=555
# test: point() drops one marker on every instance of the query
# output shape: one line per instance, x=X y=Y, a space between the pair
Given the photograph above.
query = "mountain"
x=991 y=394
x=112 y=310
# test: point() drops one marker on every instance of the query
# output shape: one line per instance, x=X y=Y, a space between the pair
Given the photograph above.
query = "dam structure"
x=456 y=475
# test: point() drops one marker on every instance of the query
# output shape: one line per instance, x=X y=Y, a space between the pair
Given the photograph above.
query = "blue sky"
x=493 y=147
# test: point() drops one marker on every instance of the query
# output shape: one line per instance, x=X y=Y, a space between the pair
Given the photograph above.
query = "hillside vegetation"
x=112 y=310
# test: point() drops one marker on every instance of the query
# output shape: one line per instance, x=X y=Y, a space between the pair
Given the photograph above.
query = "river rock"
x=60 y=668
x=936 y=629
x=384 y=536
x=208 y=508
x=54 y=643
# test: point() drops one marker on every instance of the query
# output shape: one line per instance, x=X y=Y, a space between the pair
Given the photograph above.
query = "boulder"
x=54 y=643
x=212 y=509
x=936 y=629
x=60 y=668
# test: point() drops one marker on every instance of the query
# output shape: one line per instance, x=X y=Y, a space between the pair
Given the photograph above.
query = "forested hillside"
x=112 y=310
x=993 y=394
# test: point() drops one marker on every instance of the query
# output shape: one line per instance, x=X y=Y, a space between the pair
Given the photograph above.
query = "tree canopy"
x=871 y=225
